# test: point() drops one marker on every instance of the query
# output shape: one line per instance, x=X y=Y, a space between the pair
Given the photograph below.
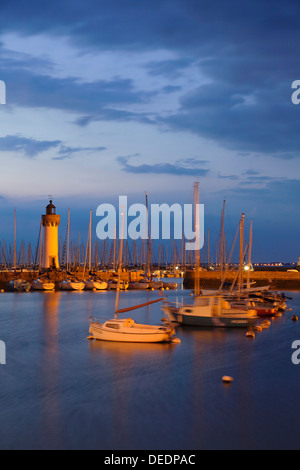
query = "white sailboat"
x=72 y=284
x=126 y=329
x=211 y=310
x=97 y=284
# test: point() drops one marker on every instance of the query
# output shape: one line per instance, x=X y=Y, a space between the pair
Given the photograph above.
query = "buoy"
x=265 y=325
x=227 y=379
x=90 y=337
x=250 y=334
x=257 y=328
x=294 y=318
x=2 y=290
x=152 y=288
x=176 y=340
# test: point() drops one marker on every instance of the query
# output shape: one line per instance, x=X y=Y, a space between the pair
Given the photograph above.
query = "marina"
x=149 y=229
x=61 y=391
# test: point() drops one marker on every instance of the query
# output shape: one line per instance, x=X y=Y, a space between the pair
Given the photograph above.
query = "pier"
x=284 y=280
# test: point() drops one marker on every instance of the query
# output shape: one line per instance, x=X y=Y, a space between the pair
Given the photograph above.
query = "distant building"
x=50 y=223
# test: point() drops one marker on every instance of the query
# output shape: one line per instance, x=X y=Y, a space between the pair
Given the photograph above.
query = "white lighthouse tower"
x=50 y=223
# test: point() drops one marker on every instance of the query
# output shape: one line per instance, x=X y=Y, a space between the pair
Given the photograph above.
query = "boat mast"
x=148 y=240
x=241 y=262
x=68 y=238
x=249 y=255
x=90 y=241
x=197 y=233
x=15 y=237
x=120 y=267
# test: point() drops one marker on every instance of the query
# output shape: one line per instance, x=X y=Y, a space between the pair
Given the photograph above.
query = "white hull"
x=98 y=285
x=72 y=285
x=130 y=332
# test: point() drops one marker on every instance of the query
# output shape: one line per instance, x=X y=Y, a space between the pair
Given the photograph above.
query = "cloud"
x=30 y=147
x=245 y=54
x=68 y=152
x=185 y=167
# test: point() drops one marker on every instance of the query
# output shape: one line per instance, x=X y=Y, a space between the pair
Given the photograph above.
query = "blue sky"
x=116 y=97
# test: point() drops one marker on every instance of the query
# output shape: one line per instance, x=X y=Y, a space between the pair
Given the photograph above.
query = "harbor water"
x=60 y=391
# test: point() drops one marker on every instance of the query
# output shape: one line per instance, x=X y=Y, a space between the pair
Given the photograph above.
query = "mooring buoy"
x=227 y=379
x=250 y=334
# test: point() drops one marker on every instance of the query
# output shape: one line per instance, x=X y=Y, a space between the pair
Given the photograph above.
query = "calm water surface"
x=60 y=391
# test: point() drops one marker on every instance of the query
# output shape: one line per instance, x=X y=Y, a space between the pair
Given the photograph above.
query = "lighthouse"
x=50 y=223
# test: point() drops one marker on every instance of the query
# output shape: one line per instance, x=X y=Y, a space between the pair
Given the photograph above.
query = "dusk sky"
x=119 y=97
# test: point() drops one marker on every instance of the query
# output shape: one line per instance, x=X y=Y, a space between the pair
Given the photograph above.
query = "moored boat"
x=210 y=311
x=97 y=284
x=127 y=330
x=72 y=285
x=43 y=284
x=113 y=284
x=18 y=285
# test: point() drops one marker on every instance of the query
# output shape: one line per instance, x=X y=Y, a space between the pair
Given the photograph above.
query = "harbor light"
x=50 y=223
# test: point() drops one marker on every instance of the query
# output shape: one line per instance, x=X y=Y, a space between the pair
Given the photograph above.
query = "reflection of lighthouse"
x=50 y=223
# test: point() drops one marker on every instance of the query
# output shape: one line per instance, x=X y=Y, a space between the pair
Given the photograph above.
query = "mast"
x=196 y=226
x=119 y=268
x=222 y=239
x=15 y=237
x=249 y=255
x=241 y=262
x=68 y=238
x=90 y=241
x=148 y=241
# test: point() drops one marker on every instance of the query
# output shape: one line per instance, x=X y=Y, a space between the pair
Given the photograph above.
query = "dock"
x=283 y=280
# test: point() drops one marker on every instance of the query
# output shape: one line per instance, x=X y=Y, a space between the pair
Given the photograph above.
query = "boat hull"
x=137 y=334
x=216 y=321
x=43 y=286
x=98 y=285
x=72 y=286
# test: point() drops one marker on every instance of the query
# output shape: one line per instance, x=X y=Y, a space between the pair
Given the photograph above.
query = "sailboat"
x=71 y=283
x=126 y=329
x=210 y=310
x=43 y=284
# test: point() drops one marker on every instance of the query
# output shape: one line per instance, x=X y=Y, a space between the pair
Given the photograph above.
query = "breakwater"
x=284 y=280
x=57 y=276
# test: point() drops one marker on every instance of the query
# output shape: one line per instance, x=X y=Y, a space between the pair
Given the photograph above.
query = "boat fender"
x=258 y=328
